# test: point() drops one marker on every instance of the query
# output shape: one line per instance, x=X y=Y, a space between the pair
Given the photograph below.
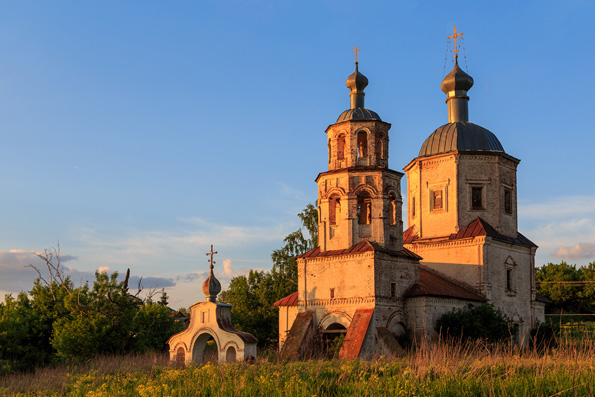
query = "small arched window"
x=341 y=147
x=330 y=151
x=364 y=209
x=362 y=144
x=380 y=147
x=392 y=209
x=334 y=210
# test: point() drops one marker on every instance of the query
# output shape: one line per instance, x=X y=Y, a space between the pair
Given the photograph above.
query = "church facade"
x=374 y=282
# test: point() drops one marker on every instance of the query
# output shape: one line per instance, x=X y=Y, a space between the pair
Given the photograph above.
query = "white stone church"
x=373 y=282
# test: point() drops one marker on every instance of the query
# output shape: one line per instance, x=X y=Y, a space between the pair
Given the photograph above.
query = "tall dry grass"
x=432 y=368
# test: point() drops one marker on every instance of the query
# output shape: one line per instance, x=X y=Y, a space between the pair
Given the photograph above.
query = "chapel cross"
x=456 y=51
x=356 y=51
x=211 y=261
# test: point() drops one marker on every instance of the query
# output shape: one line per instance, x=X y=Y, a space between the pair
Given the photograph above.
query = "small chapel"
x=373 y=282
x=211 y=320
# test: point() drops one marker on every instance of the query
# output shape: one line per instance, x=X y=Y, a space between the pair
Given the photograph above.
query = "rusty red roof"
x=479 y=227
x=289 y=300
x=364 y=246
x=431 y=283
x=409 y=236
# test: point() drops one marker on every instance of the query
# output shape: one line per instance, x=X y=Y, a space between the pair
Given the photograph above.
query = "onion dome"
x=356 y=83
x=211 y=287
x=460 y=136
x=456 y=80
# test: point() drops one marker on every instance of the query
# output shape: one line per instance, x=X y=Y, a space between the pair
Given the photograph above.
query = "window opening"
x=507 y=201
x=393 y=290
x=362 y=144
x=341 y=147
x=330 y=152
x=334 y=211
x=509 y=279
x=437 y=199
x=477 y=197
x=332 y=293
x=413 y=206
x=392 y=209
x=380 y=147
x=364 y=210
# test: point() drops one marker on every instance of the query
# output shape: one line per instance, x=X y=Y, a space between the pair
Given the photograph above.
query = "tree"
x=60 y=321
x=252 y=296
x=569 y=288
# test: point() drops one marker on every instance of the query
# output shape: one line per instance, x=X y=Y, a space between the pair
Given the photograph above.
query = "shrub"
x=476 y=322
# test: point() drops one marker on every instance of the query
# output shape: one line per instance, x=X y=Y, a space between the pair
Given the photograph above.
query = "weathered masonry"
x=373 y=283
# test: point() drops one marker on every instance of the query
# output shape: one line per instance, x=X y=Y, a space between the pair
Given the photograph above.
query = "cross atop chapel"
x=211 y=261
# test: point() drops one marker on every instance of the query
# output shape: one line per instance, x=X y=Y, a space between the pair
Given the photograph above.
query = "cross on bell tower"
x=454 y=36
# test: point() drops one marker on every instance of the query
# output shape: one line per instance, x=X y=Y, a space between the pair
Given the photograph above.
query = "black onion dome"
x=356 y=82
x=456 y=80
x=358 y=114
x=461 y=136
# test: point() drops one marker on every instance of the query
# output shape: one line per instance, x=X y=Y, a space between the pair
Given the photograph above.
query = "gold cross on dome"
x=356 y=51
x=211 y=261
x=454 y=36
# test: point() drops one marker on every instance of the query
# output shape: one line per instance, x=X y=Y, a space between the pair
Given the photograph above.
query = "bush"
x=476 y=322
x=545 y=335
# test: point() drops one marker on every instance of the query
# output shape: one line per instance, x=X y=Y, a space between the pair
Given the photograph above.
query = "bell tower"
x=359 y=198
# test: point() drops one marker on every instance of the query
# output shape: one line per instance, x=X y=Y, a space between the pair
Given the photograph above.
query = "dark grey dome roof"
x=358 y=114
x=461 y=136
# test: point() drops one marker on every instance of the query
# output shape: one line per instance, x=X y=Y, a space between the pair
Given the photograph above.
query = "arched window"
x=341 y=147
x=330 y=151
x=364 y=209
x=334 y=210
x=380 y=147
x=392 y=209
x=362 y=144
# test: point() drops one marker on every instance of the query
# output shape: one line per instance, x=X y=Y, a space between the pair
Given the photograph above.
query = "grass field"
x=432 y=369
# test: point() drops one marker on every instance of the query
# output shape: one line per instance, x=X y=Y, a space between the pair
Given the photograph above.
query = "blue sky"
x=136 y=134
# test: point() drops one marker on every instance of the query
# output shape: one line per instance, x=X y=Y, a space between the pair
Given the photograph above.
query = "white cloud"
x=103 y=269
x=137 y=247
x=561 y=227
x=227 y=267
x=579 y=251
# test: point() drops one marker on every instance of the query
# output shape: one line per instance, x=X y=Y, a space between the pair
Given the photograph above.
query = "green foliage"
x=252 y=296
x=476 y=322
x=545 y=336
x=57 y=321
x=553 y=283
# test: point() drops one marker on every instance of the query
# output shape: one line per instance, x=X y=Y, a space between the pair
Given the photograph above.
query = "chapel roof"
x=460 y=136
x=431 y=283
x=364 y=246
x=478 y=227
x=358 y=114
x=289 y=300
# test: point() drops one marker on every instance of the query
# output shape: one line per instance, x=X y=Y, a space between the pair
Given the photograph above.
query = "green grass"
x=432 y=369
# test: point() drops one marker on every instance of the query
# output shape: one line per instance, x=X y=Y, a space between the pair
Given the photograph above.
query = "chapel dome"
x=211 y=287
x=460 y=136
x=358 y=114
